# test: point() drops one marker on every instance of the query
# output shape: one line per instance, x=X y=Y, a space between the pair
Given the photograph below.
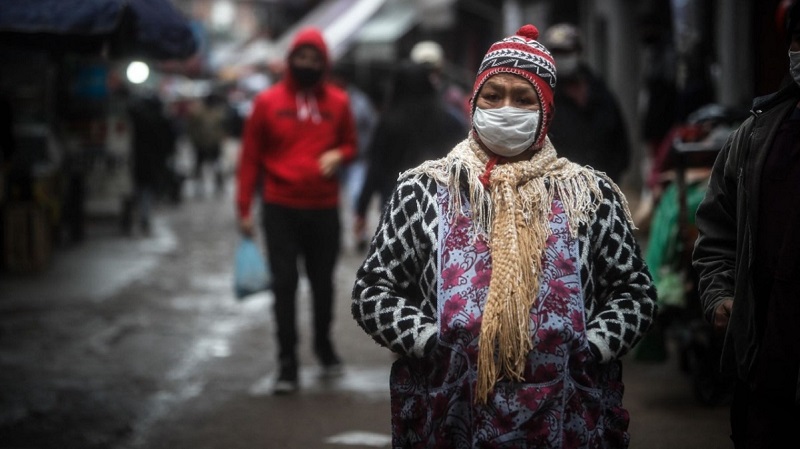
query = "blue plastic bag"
x=251 y=271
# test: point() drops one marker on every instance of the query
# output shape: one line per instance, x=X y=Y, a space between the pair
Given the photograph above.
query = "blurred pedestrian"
x=8 y=147
x=658 y=98
x=507 y=280
x=585 y=103
x=414 y=126
x=7 y=144
x=747 y=258
x=431 y=55
x=366 y=117
x=207 y=129
x=300 y=132
x=153 y=142
x=659 y=77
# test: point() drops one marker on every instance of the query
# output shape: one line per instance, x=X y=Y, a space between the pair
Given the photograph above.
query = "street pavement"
x=130 y=342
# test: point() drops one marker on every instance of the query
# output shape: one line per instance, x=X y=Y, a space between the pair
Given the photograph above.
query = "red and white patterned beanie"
x=521 y=54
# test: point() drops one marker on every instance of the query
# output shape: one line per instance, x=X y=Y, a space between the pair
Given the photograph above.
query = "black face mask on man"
x=306 y=77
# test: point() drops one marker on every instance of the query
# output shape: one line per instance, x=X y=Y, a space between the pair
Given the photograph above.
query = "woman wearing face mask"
x=507 y=280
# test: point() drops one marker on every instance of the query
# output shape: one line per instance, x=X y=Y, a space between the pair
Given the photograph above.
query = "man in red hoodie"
x=300 y=131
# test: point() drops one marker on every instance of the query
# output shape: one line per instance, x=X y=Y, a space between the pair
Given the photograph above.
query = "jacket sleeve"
x=348 y=134
x=714 y=254
x=383 y=162
x=622 y=307
x=248 y=165
x=394 y=292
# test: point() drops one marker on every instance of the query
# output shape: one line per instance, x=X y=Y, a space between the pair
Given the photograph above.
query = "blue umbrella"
x=148 y=28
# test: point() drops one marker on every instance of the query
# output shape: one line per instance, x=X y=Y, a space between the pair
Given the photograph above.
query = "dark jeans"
x=204 y=155
x=210 y=155
x=311 y=235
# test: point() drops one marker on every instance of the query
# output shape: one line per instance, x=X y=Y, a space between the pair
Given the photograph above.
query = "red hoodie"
x=286 y=133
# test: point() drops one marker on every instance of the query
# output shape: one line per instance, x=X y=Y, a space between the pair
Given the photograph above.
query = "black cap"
x=787 y=18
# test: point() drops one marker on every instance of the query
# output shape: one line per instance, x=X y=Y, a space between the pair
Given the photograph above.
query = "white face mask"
x=507 y=131
x=794 y=65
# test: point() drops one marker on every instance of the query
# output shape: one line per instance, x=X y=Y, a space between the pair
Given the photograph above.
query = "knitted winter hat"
x=522 y=55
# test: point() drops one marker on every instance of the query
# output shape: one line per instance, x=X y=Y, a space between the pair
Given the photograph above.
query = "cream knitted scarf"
x=514 y=213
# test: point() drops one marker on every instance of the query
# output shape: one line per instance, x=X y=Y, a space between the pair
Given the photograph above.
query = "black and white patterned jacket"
x=394 y=296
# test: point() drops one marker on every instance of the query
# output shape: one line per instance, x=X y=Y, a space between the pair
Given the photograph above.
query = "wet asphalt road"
x=138 y=342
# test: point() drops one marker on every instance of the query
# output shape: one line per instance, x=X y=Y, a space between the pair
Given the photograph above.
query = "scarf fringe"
x=514 y=213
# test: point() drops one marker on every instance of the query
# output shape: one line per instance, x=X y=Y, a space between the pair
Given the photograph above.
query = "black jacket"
x=727 y=219
x=415 y=126
x=594 y=134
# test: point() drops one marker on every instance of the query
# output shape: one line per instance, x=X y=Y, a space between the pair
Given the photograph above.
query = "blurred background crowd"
x=111 y=106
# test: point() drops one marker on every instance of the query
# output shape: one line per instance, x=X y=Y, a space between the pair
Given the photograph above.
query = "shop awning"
x=339 y=20
x=375 y=41
x=145 y=28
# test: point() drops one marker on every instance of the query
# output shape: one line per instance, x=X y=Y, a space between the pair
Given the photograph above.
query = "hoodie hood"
x=308 y=36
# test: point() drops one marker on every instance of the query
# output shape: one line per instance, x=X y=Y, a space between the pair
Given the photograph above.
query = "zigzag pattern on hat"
x=516 y=39
x=519 y=54
x=515 y=64
x=522 y=60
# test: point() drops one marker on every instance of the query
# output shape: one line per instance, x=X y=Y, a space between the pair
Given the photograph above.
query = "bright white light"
x=223 y=13
x=138 y=72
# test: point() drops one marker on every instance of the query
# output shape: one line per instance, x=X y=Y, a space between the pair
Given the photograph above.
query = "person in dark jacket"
x=300 y=132
x=207 y=129
x=415 y=126
x=585 y=103
x=153 y=141
x=747 y=258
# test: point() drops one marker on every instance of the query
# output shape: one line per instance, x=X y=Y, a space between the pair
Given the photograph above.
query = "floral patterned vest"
x=566 y=400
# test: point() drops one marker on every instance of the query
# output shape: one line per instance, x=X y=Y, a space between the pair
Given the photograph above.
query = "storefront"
x=64 y=98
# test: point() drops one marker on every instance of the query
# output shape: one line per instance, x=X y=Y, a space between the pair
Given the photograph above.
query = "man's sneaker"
x=287 y=380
